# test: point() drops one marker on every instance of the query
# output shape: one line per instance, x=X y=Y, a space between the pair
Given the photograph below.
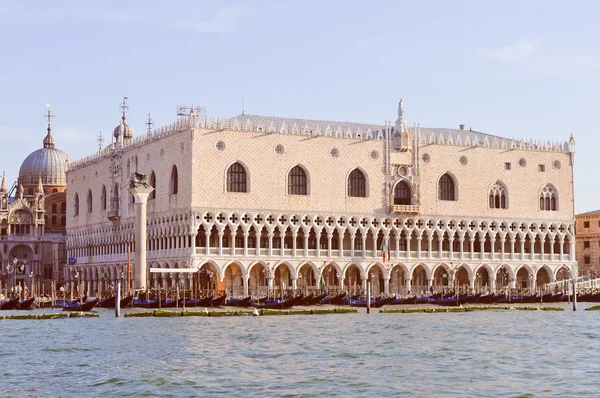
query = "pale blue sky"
x=516 y=69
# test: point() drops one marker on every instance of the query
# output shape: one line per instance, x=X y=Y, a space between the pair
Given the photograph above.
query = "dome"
x=123 y=129
x=49 y=162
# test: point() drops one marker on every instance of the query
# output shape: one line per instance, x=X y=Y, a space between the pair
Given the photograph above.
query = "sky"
x=518 y=69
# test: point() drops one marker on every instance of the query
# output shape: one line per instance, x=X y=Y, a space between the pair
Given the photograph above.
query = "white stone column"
x=141 y=198
x=386 y=287
x=246 y=234
x=245 y=279
x=352 y=238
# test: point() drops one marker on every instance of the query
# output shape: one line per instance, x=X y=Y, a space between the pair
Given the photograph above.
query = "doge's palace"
x=260 y=202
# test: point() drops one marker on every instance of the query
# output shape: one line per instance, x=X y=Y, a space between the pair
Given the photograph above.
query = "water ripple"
x=481 y=354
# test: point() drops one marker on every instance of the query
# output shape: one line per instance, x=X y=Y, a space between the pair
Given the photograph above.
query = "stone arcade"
x=261 y=202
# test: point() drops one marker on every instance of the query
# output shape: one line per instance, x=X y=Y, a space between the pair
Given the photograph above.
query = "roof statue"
x=3 y=188
x=139 y=180
x=400 y=123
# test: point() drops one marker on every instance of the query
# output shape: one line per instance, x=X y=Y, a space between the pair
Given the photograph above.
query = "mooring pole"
x=118 y=300
x=574 y=297
x=368 y=297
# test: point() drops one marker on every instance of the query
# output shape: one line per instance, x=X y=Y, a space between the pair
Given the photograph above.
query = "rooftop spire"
x=40 y=187
x=124 y=108
x=3 y=188
x=49 y=140
x=149 y=123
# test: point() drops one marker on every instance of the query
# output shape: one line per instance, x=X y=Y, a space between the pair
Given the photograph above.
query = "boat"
x=374 y=303
x=86 y=306
x=337 y=300
x=111 y=301
x=235 y=302
x=317 y=300
x=11 y=304
x=281 y=304
x=219 y=301
x=26 y=304
x=306 y=299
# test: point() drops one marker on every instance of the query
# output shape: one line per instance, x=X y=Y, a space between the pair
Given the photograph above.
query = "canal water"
x=484 y=353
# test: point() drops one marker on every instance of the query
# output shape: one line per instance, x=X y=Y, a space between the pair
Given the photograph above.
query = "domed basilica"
x=33 y=220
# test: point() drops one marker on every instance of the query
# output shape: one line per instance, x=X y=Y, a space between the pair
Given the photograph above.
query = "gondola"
x=281 y=304
x=86 y=306
x=374 y=303
x=11 y=304
x=337 y=300
x=235 y=302
x=317 y=300
x=306 y=299
x=219 y=301
x=111 y=301
x=108 y=302
x=26 y=304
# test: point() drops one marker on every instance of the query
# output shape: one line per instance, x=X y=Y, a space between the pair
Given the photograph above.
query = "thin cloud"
x=225 y=20
x=512 y=52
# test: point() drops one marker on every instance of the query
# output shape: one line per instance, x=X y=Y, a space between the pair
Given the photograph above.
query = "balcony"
x=114 y=215
x=405 y=209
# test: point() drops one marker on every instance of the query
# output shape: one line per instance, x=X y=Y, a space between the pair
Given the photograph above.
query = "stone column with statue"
x=140 y=189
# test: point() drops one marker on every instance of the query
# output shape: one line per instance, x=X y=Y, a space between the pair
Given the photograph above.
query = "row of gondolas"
x=449 y=299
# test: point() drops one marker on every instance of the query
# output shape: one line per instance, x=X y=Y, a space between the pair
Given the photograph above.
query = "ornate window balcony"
x=406 y=209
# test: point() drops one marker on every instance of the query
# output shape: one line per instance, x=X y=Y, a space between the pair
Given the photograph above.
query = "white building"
x=270 y=201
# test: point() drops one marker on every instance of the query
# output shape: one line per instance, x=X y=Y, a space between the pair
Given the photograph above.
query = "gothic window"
x=357 y=184
x=498 y=196
x=63 y=207
x=63 y=221
x=446 y=188
x=236 y=178
x=548 y=198
x=54 y=220
x=402 y=194
x=174 y=181
x=103 y=198
x=153 y=184
x=47 y=271
x=54 y=190
x=54 y=208
x=89 y=201
x=115 y=198
x=297 y=182
x=76 y=205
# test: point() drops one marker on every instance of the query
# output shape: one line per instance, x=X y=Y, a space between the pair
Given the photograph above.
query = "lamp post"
x=300 y=282
x=32 y=292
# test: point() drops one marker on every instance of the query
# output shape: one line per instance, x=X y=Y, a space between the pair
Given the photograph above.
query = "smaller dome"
x=123 y=129
x=49 y=140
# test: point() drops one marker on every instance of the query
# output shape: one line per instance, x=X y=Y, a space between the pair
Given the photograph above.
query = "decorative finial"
x=400 y=110
x=124 y=107
x=100 y=141
x=149 y=123
x=48 y=115
x=48 y=140
x=400 y=126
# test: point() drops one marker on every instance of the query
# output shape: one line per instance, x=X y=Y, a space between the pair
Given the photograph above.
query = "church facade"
x=268 y=202
x=33 y=221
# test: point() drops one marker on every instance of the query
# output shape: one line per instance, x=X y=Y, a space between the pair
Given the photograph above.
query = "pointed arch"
x=76 y=205
x=357 y=184
x=236 y=178
x=403 y=193
x=103 y=198
x=152 y=194
x=89 y=201
x=548 y=198
x=174 y=182
x=447 y=187
x=298 y=181
x=498 y=196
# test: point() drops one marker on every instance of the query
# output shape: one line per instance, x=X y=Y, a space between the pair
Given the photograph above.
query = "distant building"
x=263 y=202
x=587 y=234
x=33 y=220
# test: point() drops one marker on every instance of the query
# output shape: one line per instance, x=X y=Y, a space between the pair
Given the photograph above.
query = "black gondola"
x=219 y=301
x=26 y=304
x=87 y=306
x=11 y=304
x=234 y=302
